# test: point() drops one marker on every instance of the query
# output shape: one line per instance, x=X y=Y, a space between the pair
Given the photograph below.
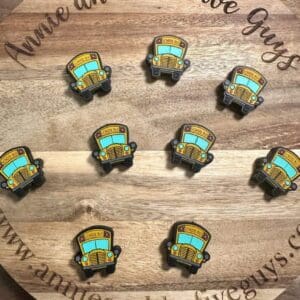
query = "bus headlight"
x=253 y=98
x=31 y=167
x=269 y=166
x=10 y=181
x=175 y=248
x=199 y=256
x=232 y=87
x=203 y=155
x=156 y=58
x=101 y=72
x=288 y=183
x=180 y=146
x=109 y=254
x=180 y=62
x=126 y=148
x=79 y=83
x=84 y=258
x=102 y=153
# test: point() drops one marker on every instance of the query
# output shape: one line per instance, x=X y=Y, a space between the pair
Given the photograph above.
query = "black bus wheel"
x=176 y=76
x=176 y=159
x=275 y=192
x=106 y=86
x=111 y=269
x=89 y=273
x=107 y=167
x=87 y=95
x=196 y=168
x=258 y=177
x=39 y=180
x=194 y=270
x=227 y=100
x=246 y=109
x=155 y=72
x=171 y=262
x=20 y=192
x=128 y=162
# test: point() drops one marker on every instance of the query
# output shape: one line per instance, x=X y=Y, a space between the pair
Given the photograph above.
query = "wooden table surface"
x=142 y=203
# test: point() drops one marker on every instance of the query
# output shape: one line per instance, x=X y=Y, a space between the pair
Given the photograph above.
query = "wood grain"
x=152 y=110
x=77 y=195
x=142 y=203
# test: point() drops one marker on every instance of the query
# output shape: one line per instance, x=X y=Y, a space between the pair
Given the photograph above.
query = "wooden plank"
x=76 y=196
x=7 y=6
x=152 y=187
x=149 y=6
x=154 y=111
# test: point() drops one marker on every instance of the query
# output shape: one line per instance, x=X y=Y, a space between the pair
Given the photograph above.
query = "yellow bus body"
x=20 y=175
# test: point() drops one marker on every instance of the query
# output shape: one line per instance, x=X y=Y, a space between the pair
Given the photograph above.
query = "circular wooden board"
x=250 y=235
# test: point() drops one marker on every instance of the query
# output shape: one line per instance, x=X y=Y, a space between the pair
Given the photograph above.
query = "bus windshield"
x=112 y=139
x=252 y=85
x=90 y=66
x=285 y=165
x=196 y=140
x=89 y=246
x=14 y=165
x=164 y=49
x=184 y=238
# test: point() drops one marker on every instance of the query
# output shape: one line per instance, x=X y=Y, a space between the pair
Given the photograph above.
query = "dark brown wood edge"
x=9 y=288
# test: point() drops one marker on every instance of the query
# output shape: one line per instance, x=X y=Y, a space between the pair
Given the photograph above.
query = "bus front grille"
x=243 y=93
x=21 y=176
x=115 y=152
x=93 y=258
x=187 y=253
x=168 y=62
x=101 y=257
x=97 y=258
x=111 y=153
x=91 y=79
x=278 y=175
x=192 y=152
x=119 y=151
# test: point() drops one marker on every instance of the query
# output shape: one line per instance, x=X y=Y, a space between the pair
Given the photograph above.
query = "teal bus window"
x=80 y=71
x=14 y=165
x=196 y=140
x=242 y=80
x=163 y=49
x=102 y=244
x=110 y=140
x=92 y=66
x=188 y=239
x=285 y=165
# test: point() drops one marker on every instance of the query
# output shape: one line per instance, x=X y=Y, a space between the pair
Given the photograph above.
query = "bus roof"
x=199 y=130
x=11 y=154
x=81 y=59
x=194 y=229
x=111 y=129
x=171 y=40
x=94 y=232
x=250 y=73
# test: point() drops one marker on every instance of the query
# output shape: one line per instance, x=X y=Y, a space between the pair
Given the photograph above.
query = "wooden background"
x=141 y=204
